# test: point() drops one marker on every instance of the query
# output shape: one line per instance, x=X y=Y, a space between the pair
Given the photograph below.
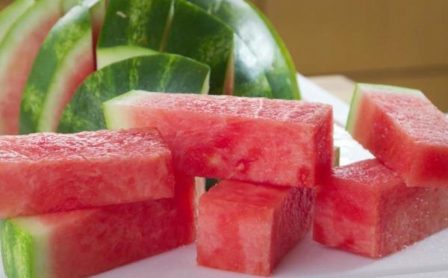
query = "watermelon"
x=65 y=59
x=219 y=136
x=249 y=228
x=260 y=56
x=404 y=130
x=17 y=52
x=84 y=242
x=10 y=14
x=161 y=72
x=169 y=26
x=47 y=172
x=366 y=208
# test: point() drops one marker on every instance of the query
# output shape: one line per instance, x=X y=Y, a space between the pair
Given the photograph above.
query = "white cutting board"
x=426 y=259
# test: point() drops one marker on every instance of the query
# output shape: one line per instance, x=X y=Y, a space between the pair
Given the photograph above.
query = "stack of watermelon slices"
x=377 y=207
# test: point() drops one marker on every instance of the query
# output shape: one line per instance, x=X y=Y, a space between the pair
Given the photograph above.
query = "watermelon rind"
x=21 y=239
x=360 y=88
x=336 y=156
x=70 y=38
x=115 y=54
x=10 y=14
x=42 y=11
x=160 y=72
x=260 y=36
x=171 y=26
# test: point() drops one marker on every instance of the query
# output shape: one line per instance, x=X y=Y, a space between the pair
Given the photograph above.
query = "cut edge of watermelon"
x=21 y=240
x=111 y=55
x=120 y=120
x=358 y=94
x=54 y=101
x=11 y=13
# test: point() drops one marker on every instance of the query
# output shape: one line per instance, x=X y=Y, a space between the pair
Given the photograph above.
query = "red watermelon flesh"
x=226 y=137
x=367 y=209
x=404 y=130
x=249 y=228
x=85 y=242
x=47 y=172
x=19 y=49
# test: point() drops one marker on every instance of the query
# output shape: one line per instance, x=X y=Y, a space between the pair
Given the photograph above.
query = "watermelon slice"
x=84 y=242
x=161 y=72
x=219 y=136
x=404 y=130
x=169 y=26
x=249 y=228
x=10 y=14
x=17 y=52
x=367 y=209
x=266 y=57
x=65 y=59
x=47 y=172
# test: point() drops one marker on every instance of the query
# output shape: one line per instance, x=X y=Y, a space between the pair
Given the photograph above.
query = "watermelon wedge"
x=85 y=242
x=17 y=53
x=10 y=14
x=219 y=136
x=47 y=172
x=161 y=72
x=169 y=26
x=367 y=209
x=65 y=59
x=261 y=55
x=404 y=130
x=249 y=228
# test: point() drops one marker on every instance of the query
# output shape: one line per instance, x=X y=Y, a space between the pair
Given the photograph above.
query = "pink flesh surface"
x=258 y=140
x=54 y=172
x=249 y=228
x=408 y=134
x=367 y=209
x=87 y=242
x=19 y=68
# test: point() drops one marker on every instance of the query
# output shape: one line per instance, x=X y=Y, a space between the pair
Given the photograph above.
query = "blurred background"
x=398 y=42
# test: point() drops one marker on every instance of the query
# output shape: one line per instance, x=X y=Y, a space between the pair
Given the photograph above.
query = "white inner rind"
x=40 y=234
x=110 y=55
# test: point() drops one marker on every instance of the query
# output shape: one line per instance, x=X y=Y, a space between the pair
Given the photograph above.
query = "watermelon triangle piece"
x=17 y=53
x=65 y=59
x=404 y=130
x=161 y=72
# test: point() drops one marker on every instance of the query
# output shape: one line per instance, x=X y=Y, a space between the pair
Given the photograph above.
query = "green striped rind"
x=135 y=22
x=10 y=14
x=57 y=55
x=24 y=244
x=161 y=73
x=255 y=30
x=360 y=88
x=173 y=26
x=194 y=33
x=17 y=247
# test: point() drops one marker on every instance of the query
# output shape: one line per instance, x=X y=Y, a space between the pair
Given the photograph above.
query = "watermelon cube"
x=84 y=242
x=260 y=140
x=47 y=172
x=366 y=208
x=404 y=130
x=249 y=228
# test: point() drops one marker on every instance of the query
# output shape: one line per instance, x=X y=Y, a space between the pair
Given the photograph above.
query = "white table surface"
x=426 y=259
